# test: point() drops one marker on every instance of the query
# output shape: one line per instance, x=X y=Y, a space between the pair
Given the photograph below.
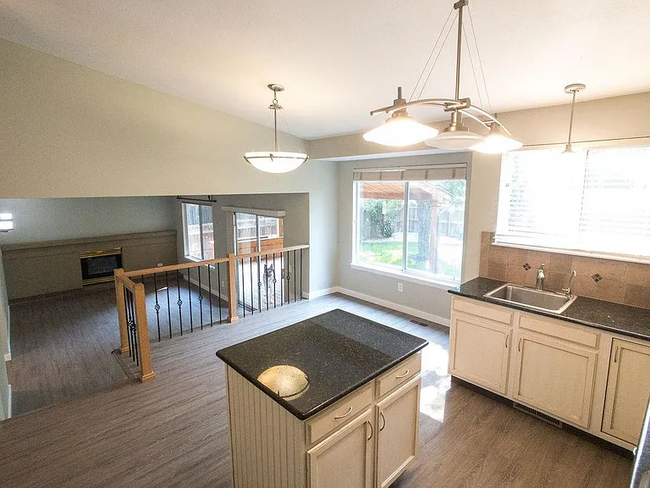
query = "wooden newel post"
x=143 y=333
x=121 y=311
x=232 y=289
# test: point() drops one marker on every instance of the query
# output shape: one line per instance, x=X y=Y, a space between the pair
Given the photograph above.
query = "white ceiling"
x=341 y=58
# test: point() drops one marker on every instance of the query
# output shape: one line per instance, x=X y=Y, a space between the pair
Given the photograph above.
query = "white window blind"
x=599 y=202
x=438 y=172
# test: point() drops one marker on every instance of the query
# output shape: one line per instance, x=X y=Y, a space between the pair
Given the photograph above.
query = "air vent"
x=542 y=416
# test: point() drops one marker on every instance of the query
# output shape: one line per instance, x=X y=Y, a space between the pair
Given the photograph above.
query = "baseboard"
x=395 y=306
x=9 y=402
x=8 y=357
x=319 y=293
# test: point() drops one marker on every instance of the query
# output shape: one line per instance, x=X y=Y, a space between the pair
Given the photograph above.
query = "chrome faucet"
x=567 y=290
x=539 y=282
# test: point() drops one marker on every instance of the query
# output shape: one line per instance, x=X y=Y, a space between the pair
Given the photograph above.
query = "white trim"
x=573 y=252
x=319 y=293
x=8 y=357
x=9 y=411
x=397 y=274
x=255 y=211
x=395 y=306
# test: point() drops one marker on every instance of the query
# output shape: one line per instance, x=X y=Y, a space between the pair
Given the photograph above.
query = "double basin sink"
x=546 y=301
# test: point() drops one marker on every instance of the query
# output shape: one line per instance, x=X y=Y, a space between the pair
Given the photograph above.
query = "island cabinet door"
x=479 y=351
x=344 y=459
x=555 y=376
x=397 y=441
x=628 y=389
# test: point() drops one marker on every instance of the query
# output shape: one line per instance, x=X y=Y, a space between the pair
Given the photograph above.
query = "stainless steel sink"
x=546 y=301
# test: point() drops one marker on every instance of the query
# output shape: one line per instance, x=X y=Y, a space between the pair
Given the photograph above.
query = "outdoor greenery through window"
x=198 y=231
x=598 y=202
x=413 y=226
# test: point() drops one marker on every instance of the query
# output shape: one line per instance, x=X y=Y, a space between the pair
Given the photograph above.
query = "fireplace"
x=98 y=266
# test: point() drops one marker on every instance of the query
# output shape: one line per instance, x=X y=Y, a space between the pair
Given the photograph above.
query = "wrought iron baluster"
x=243 y=287
x=282 y=275
x=301 y=274
x=274 y=281
x=189 y=296
x=250 y=270
x=127 y=312
x=169 y=308
x=179 y=302
x=288 y=277
x=219 y=289
x=200 y=297
x=295 y=282
x=157 y=305
x=266 y=279
x=258 y=263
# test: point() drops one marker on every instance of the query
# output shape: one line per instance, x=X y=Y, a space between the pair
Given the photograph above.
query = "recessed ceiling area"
x=340 y=59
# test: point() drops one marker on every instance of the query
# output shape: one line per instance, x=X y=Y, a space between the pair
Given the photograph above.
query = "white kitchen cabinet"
x=397 y=440
x=479 y=351
x=338 y=447
x=345 y=458
x=628 y=390
x=555 y=376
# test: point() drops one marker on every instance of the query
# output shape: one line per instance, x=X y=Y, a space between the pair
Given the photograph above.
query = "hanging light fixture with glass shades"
x=401 y=130
x=569 y=153
x=275 y=161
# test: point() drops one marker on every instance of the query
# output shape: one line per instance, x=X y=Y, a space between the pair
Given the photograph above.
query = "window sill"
x=396 y=274
x=573 y=252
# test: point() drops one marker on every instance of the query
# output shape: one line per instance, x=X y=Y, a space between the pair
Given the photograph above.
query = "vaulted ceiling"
x=341 y=58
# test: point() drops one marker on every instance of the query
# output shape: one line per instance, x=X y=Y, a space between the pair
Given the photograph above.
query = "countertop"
x=641 y=473
x=338 y=351
x=612 y=317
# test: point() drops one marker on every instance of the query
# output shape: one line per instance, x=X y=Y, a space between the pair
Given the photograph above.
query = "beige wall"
x=5 y=350
x=69 y=131
x=620 y=117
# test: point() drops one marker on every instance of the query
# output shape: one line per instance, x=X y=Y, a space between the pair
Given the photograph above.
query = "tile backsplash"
x=604 y=279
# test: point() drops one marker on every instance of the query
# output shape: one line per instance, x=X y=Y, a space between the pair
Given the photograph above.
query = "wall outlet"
x=400 y=286
x=159 y=265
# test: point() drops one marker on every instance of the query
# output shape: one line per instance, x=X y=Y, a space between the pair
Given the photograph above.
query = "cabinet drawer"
x=560 y=330
x=339 y=413
x=479 y=309
x=399 y=374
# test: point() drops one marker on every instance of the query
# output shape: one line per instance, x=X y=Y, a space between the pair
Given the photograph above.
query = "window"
x=198 y=232
x=596 y=203
x=432 y=204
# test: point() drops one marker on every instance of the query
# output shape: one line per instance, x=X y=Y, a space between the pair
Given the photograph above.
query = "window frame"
x=186 y=230
x=502 y=239
x=404 y=272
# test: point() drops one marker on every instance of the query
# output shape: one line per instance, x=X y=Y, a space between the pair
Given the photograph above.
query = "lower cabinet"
x=365 y=440
x=344 y=458
x=628 y=390
x=555 y=376
x=397 y=438
x=479 y=351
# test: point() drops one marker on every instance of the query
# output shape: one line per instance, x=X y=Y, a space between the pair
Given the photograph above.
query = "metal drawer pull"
x=337 y=417
x=507 y=338
x=372 y=431
x=519 y=346
x=403 y=375
x=616 y=355
x=381 y=414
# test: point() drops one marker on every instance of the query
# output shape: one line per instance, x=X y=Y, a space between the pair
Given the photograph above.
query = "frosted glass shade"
x=275 y=161
x=455 y=140
x=400 y=130
x=497 y=142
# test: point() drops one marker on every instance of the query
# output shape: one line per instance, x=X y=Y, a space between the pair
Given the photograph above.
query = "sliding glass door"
x=259 y=278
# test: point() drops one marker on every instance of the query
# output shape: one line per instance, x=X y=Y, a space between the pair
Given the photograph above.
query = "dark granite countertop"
x=641 y=473
x=613 y=317
x=338 y=351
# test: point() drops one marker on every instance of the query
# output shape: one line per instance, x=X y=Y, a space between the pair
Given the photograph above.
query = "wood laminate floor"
x=173 y=431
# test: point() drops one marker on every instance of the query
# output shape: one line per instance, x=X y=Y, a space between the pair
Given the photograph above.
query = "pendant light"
x=6 y=222
x=275 y=161
x=402 y=130
x=569 y=154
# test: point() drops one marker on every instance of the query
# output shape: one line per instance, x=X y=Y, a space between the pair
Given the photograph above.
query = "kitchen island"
x=330 y=401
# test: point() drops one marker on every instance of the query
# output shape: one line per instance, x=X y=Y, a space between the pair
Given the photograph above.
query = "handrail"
x=132 y=302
